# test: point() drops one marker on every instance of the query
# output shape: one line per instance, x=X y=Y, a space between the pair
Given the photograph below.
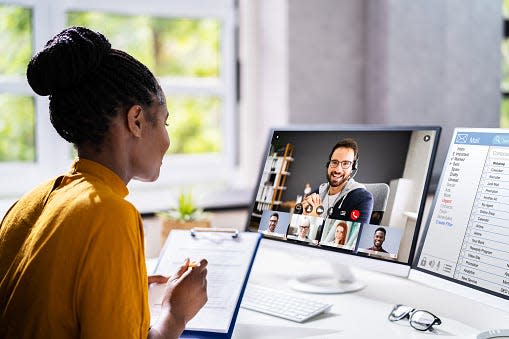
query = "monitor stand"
x=341 y=280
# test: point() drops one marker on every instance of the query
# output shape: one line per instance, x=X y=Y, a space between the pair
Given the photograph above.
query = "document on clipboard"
x=230 y=257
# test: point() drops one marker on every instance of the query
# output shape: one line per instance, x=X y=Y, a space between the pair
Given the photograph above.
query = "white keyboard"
x=280 y=304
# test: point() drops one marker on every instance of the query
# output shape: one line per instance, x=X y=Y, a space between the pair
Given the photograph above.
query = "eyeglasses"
x=345 y=164
x=419 y=319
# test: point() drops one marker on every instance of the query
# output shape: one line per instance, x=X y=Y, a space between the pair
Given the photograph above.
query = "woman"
x=340 y=233
x=71 y=251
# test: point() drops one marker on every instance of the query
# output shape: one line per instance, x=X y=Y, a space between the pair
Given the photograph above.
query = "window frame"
x=52 y=152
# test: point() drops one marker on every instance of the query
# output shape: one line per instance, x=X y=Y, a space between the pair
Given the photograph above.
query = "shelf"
x=282 y=172
x=273 y=181
x=269 y=202
x=274 y=187
x=287 y=158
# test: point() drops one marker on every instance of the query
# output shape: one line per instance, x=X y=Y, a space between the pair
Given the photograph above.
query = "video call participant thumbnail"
x=274 y=224
x=383 y=241
x=274 y=218
x=340 y=233
x=341 y=197
x=304 y=228
x=378 y=240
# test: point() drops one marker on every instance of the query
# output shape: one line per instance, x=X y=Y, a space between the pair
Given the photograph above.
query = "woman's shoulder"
x=93 y=199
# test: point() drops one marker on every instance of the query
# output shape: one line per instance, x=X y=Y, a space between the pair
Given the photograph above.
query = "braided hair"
x=89 y=83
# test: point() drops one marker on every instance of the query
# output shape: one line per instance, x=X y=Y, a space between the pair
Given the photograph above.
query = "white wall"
x=368 y=61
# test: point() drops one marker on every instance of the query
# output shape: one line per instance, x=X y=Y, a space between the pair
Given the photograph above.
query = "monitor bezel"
x=405 y=266
x=441 y=281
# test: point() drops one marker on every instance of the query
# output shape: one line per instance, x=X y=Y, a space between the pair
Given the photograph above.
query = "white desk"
x=362 y=314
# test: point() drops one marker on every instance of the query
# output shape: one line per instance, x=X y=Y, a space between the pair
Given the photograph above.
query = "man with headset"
x=341 y=197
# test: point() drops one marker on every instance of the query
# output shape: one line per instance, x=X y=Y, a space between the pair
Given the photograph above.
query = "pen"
x=193 y=264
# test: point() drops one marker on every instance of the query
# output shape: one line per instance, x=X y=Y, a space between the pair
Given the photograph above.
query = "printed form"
x=229 y=261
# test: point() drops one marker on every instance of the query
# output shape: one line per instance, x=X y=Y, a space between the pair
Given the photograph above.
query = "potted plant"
x=185 y=216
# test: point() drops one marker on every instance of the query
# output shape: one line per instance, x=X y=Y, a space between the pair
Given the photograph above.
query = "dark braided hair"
x=89 y=83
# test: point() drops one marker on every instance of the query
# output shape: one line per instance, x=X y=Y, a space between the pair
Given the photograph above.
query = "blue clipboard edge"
x=188 y=334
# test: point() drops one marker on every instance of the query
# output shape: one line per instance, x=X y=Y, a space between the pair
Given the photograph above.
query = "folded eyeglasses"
x=419 y=319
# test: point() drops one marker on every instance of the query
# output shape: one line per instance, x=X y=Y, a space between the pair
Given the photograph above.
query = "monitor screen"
x=466 y=238
x=357 y=190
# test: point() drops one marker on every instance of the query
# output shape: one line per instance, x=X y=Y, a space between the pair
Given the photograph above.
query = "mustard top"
x=72 y=261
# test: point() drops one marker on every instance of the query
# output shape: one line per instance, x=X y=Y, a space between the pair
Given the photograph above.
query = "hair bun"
x=66 y=59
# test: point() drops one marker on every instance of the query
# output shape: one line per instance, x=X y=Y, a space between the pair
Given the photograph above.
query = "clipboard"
x=230 y=255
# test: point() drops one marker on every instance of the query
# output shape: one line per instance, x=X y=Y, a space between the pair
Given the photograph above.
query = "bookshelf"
x=273 y=180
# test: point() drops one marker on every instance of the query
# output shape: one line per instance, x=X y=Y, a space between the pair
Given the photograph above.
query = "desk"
x=362 y=314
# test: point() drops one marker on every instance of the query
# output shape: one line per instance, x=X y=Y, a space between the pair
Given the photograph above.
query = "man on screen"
x=378 y=240
x=274 y=218
x=303 y=230
x=341 y=197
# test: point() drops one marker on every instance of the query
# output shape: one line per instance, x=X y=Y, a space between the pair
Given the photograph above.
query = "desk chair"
x=380 y=192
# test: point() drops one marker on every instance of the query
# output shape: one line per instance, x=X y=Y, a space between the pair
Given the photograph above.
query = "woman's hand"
x=186 y=290
x=185 y=295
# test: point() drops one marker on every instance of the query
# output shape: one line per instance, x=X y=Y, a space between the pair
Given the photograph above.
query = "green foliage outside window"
x=17 y=114
x=17 y=128
x=194 y=124
x=15 y=39
x=172 y=47
x=176 y=47
x=504 y=118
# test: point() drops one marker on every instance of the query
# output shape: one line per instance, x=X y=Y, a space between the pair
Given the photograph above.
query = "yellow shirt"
x=72 y=261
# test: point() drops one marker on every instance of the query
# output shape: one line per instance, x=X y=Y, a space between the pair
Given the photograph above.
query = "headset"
x=355 y=167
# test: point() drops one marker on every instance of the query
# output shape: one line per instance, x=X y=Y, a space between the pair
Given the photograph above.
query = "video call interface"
x=470 y=214
x=313 y=190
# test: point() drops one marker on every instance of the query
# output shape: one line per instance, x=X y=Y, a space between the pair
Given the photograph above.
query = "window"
x=188 y=44
x=17 y=114
x=173 y=48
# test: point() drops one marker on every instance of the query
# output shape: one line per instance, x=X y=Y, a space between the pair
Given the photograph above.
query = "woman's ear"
x=135 y=120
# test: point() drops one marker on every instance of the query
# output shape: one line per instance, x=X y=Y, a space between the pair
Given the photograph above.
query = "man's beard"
x=336 y=183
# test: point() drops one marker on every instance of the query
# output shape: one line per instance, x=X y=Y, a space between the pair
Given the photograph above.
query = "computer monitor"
x=354 y=193
x=465 y=243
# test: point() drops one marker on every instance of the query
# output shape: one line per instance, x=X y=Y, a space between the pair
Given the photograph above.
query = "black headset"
x=355 y=167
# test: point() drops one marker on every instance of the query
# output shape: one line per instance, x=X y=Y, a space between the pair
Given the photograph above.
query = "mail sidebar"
x=468 y=233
